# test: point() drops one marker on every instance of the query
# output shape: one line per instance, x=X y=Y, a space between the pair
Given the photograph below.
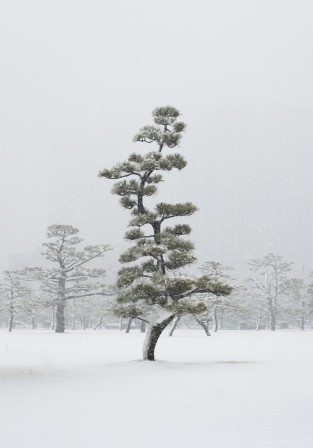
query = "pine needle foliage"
x=158 y=251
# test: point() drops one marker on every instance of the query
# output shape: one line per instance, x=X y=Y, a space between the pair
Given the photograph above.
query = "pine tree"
x=150 y=290
x=70 y=279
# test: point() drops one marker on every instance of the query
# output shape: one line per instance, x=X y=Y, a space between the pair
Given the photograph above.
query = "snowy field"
x=90 y=389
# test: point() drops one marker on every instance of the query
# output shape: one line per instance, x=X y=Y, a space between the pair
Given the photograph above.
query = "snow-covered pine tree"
x=70 y=279
x=148 y=285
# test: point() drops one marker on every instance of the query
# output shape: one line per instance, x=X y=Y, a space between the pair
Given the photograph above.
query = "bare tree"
x=270 y=282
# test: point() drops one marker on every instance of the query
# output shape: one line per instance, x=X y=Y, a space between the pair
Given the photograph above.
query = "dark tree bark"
x=152 y=338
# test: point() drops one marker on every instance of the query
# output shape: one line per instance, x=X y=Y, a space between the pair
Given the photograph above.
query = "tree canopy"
x=158 y=252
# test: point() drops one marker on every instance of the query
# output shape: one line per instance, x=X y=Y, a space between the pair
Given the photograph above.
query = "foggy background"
x=78 y=80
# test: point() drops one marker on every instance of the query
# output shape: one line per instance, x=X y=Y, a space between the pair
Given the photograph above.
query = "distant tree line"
x=153 y=289
x=32 y=298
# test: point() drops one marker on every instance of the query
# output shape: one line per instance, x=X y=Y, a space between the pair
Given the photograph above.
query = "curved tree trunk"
x=152 y=337
x=177 y=319
x=203 y=325
x=60 y=318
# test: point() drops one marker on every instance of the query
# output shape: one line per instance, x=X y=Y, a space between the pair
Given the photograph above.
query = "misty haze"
x=156 y=261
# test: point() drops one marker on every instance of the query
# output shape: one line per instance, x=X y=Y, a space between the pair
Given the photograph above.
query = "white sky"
x=79 y=78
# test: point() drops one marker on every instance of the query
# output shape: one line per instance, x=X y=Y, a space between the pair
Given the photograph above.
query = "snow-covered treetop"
x=156 y=251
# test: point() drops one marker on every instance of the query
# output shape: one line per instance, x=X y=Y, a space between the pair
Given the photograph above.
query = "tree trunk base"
x=152 y=338
x=60 y=318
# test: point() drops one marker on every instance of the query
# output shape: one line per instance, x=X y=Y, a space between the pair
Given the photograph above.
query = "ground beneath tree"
x=90 y=389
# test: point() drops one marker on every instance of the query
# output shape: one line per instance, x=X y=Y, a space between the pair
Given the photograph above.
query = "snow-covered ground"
x=90 y=389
